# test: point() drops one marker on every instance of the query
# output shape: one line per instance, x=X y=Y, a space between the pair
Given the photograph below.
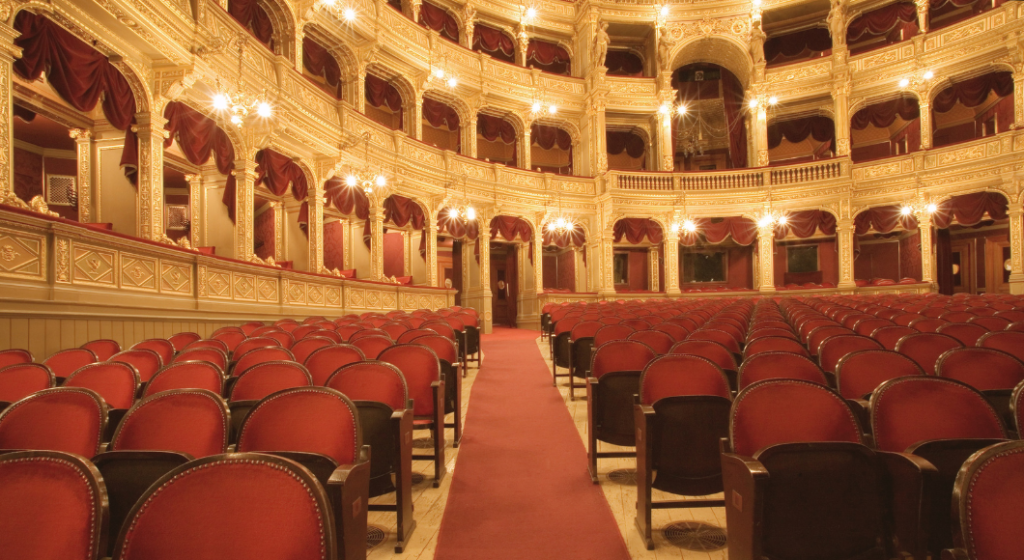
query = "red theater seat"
x=67 y=419
x=21 y=380
x=422 y=372
x=103 y=349
x=988 y=503
x=187 y=375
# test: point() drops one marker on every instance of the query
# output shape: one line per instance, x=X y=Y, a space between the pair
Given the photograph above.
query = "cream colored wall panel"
x=22 y=255
x=94 y=266
x=106 y=329
x=51 y=334
x=116 y=331
x=5 y=333
x=67 y=334
x=244 y=286
x=116 y=194
x=37 y=338
x=19 y=333
x=175 y=278
x=138 y=273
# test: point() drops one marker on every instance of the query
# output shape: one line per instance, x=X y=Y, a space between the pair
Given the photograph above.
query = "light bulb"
x=531 y=13
x=675 y=227
x=757 y=3
x=329 y=3
x=752 y=103
x=552 y=109
x=783 y=220
x=929 y=75
x=689 y=226
x=452 y=82
x=904 y=82
x=439 y=73
x=535 y=107
x=681 y=110
x=551 y=226
x=560 y=223
x=220 y=102
x=453 y=213
x=351 y=181
x=264 y=109
x=349 y=14
x=664 y=11
x=765 y=221
x=381 y=180
x=470 y=213
x=906 y=210
x=773 y=100
x=235 y=119
x=663 y=109
x=931 y=208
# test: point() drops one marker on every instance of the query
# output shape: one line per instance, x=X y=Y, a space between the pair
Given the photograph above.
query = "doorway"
x=504 y=284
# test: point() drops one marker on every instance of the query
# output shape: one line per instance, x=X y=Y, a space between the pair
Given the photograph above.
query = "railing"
x=743 y=179
x=807 y=173
x=647 y=182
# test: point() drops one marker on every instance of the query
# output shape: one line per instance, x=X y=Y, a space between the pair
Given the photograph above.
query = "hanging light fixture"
x=371 y=179
x=461 y=209
x=239 y=108
x=559 y=222
x=440 y=74
x=680 y=220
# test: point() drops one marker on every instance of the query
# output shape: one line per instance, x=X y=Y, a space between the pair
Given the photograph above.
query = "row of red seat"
x=309 y=396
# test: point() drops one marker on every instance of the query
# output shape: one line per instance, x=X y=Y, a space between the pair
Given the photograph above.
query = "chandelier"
x=770 y=217
x=560 y=222
x=238 y=107
x=539 y=104
x=680 y=221
x=458 y=209
x=369 y=178
x=440 y=73
x=917 y=204
x=346 y=12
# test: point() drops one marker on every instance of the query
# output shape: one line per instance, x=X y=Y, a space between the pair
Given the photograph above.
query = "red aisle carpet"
x=521 y=489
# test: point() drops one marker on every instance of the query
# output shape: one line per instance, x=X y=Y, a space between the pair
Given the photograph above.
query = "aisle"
x=521 y=488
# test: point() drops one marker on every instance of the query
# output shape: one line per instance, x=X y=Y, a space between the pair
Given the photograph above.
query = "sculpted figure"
x=601 y=40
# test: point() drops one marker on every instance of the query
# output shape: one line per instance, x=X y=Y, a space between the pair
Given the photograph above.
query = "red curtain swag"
x=624 y=63
x=494 y=42
x=882 y=21
x=973 y=92
x=803 y=224
x=549 y=57
x=795 y=131
x=199 y=137
x=732 y=98
x=636 y=229
x=510 y=228
x=380 y=93
x=882 y=219
x=350 y=201
x=438 y=19
x=457 y=228
x=440 y=115
x=548 y=137
x=618 y=142
x=79 y=74
x=882 y=115
x=277 y=171
x=253 y=17
x=576 y=237
x=492 y=128
x=319 y=62
x=787 y=46
x=716 y=230
x=969 y=209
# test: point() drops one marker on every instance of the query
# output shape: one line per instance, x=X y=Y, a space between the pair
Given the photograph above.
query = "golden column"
x=315 y=226
x=150 y=195
x=83 y=149
x=8 y=53
x=376 y=237
x=484 y=241
x=245 y=188
x=671 y=257
x=766 y=257
x=195 y=197
x=653 y=259
x=844 y=236
x=924 y=225
x=1015 y=212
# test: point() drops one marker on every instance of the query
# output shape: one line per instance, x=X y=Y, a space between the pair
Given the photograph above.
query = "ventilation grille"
x=694 y=535
x=61 y=190
x=374 y=536
x=177 y=217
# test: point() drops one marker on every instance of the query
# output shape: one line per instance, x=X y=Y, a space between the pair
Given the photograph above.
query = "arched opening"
x=882 y=26
x=496 y=140
x=717 y=254
x=441 y=126
x=637 y=265
x=627 y=150
x=78 y=79
x=320 y=67
x=405 y=247
x=806 y=252
x=275 y=173
x=972 y=244
x=440 y=20
x=973 y=108
x=889 y=128
x=564 y=259
x=788 y=47
x=709 y=127
x=550 y=149
x=384 y=103
x=548 y=57
x=255 y=19
x=494 y=42
x=624 y=62
x=886 y=247
x=454 y=233
x=345 y=215
x=943 y=13
x=511 y=274
x=801 y=140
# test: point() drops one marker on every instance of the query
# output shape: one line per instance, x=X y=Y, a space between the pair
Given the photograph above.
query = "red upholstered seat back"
x=927 y=325
x=264 y=330
x=248 y=328
x=209 y=343
x=231 y=338
x=259 y=356
x=990 y=488
x=984 y=369
x=116 y=382
x=925 y=348
x=21 y=380
x=238 y=505
x=302 y=331
x=443 y=329
x=658 y=341
x=51 y=506
x=394 y=330
x=161 y=346
x=263 y=379
x=715 y=335
x=789 y=411
x=180 y=340
x=585 y=329
x=770 y=332
x=821 y=334
x=890 y=335
x=911 y=410
x=308 y=419
x=718 y=354
x=372 y=346
x=103 y=348
x=193 y=421
x=306 y=346
x=867 y=326
x=833 y=349
x=255 y=342
x=68 y=419
x=15 y=356
x=779 y=365
x=187 y=375
x=774 y=344
x=412 y=334
x=213 y=355
x=675 y=331
x=637 y=324
x=443 y=347
x=65 y=362
x=323 y=362
x=146 y=362
x=372 y=381
x=609 y=333
x=967 y=333
x=620 y=355
x=346 y=331
x=285 y=339
x=990 y=323
x=682 y=375
x=859 y=373
x=1011 y=342
x=420 y=368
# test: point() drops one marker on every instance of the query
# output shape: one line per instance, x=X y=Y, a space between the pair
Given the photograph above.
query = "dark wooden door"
x=499 y=291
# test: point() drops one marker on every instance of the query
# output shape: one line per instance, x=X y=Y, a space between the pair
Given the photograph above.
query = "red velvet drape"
x=575 y=237
x=350 y=201
x=779 y=49
x=820 y=128
x=549 y=57
x=882 y=219
x=79 y=74
x=199 y=137
x=277 y=171
x=973 y=92
x=494 y=42
x=511 y=227
x=881 y=21
x=380 y=93
x=618 y=142
x=492 y=128
x=548 y=137
x=623 y=63
x=716 y=230
x=438 y=114
x=803 y=224
x=883 y=114
x=401 y=211
x=969 y=209
x=319 y=62
x=457 y=228
x=438 y=19
x=636 y=229
x=732 y=99
x=253 y=17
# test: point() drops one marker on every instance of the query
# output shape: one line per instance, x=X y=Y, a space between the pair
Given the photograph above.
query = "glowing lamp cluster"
x=909 y=209
x=561 y=224
x=538 y=107
x=469 y=213
x=688 y=225
x=770 y=219
x=366 y=180
x=238 y=109
x=347 y=13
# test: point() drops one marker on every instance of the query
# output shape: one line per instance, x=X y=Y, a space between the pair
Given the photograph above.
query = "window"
x=802 y=258
x=621 y=268
x=705 y=266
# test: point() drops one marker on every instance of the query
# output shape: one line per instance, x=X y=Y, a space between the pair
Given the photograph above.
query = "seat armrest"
x=349 y=491
x=743 y=481
x=910 y=477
